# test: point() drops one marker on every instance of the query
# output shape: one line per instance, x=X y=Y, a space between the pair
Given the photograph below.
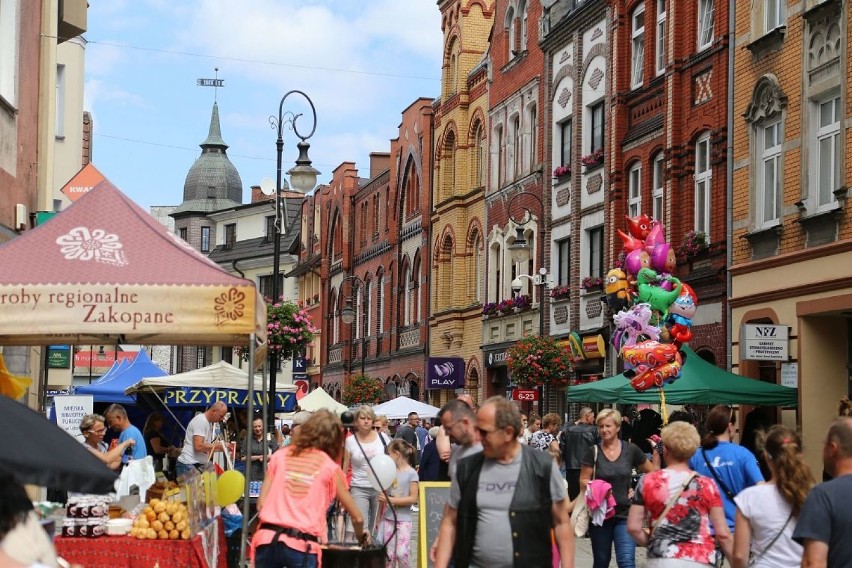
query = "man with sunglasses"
x=504 y=501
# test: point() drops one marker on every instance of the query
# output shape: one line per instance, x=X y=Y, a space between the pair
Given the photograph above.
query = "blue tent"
x=117 y=368
x=112 y=389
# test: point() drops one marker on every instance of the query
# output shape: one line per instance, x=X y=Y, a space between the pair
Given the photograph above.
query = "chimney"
x=379 y=162
x=258 y=196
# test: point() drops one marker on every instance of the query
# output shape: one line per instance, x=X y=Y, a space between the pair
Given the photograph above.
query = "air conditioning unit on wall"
x=21 y=219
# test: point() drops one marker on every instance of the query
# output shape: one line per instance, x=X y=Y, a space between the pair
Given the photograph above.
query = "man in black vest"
x=504 y=501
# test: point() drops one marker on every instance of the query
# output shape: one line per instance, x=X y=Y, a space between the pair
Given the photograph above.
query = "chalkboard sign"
x=433 y=496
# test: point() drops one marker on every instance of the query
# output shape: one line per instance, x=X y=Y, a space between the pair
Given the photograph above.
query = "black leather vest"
x=530 y=513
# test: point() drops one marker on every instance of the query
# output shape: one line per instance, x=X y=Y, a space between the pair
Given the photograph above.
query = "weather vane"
x=215 y=83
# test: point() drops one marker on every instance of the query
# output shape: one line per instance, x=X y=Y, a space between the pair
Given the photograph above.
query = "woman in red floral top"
x=684 y=533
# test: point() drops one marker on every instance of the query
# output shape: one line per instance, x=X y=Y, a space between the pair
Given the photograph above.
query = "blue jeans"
x=613 y=531
x=279 y=555
x=182 y=468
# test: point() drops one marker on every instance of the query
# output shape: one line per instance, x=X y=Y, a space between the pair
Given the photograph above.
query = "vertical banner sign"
x=70 y=410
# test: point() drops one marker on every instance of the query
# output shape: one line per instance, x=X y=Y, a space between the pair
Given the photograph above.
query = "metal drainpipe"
x=729 y=182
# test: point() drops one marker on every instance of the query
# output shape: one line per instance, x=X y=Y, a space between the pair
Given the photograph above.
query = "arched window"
x=513 y=39
x=448 y=166
x=406 y=318
x=380 y=305
x=335 y=318
x=634 y=190
x=359 y=312
x=637 y=33
x=657 y=203
x=495 y=261
x=477 y=265
x=415 y=292
x=368 y=313
x=481 y=155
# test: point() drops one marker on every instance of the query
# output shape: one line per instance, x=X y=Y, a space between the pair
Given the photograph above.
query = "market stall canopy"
x=112 y=389
x=401 y=406
x=39 y=452
x=317 y=399
x=204 y=386
x=105 y=271
x=700 y=382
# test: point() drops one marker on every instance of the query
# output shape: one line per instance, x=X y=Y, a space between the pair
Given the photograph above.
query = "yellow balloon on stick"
x=230 y=487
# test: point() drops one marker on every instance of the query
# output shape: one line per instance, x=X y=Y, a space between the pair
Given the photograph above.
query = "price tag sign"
x=525 y=395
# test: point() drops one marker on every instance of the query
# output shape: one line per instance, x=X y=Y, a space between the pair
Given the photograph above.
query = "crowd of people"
x=515 y=480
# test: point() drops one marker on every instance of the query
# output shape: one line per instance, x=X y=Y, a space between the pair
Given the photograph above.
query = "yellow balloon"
x=230 y=487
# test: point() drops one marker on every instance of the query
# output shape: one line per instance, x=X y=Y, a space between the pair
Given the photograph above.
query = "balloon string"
x=663 y=411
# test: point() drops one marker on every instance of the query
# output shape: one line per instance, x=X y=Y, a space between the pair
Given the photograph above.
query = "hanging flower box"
x=490 y=310
x=694 y=244
x=562 y=173
x=593 y=160
x=561 y=292
x=592 y=283
x=522 y=303
x=506 y=306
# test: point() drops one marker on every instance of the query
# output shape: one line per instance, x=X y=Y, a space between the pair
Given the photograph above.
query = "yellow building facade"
x=457 y=279
x=790 y=235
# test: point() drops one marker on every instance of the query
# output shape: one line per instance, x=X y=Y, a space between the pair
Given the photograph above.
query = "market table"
x=112 y=551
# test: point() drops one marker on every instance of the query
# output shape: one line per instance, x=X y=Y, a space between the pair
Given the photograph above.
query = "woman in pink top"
x=301 y=481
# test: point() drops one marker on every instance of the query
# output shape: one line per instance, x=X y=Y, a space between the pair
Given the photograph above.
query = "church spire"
x=214 y=136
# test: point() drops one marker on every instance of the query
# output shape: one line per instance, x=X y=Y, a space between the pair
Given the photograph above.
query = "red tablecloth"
x=112 y=551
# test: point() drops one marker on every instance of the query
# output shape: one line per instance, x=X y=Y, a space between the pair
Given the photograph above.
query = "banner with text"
x=236 y=398
x=70 y=410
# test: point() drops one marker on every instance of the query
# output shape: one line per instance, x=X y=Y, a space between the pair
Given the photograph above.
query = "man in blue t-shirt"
x=116 y=417
x=823 y=525
x=731 y=466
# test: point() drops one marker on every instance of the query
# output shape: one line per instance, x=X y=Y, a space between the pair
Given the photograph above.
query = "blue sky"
x=362 y=62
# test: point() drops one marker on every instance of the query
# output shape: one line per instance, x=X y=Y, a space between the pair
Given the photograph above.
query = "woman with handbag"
x=767 y=514
x=613 y=461
x=679 y=506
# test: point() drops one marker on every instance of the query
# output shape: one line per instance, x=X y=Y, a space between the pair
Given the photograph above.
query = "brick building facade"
x=668 y=134
x=514 y=192
x=577 y=91
x=457 y=261
x=791 y=224
x=374 y=250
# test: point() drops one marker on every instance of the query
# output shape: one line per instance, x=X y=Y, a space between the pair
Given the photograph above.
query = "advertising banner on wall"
x=445 y=373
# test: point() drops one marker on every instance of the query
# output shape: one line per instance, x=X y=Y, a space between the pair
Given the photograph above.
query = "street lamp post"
x=303 y=178
x=348 y=315
x=520 y=250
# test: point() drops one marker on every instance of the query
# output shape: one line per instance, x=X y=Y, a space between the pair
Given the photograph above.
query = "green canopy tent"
x=700 y=382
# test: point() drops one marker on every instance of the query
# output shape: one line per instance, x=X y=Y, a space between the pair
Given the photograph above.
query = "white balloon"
x=385 y=469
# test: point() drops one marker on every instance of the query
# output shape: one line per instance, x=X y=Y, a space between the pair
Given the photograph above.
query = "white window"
x=478 y=265
x=368 y=313
x=662 y=58
x=523 y=10
x=827 y=151
x=657 y=204
x=638 y=35
x=9 y=51
x=634 y=190
x=515 y=150
x=512 y=32
x=597 y=115
x=359 y=313
x=380 y=304
x=532 y=145
x=406 y=320
x=565 y=143
x=768 y=184
x=706 y=22
x=60 y=101
x=703 y=181
x=774 y=14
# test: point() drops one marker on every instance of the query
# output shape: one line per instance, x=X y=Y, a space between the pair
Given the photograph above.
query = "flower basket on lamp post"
x=536 y=360
x=289 y=330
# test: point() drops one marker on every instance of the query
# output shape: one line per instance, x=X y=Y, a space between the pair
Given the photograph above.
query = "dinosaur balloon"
x=650 y=293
